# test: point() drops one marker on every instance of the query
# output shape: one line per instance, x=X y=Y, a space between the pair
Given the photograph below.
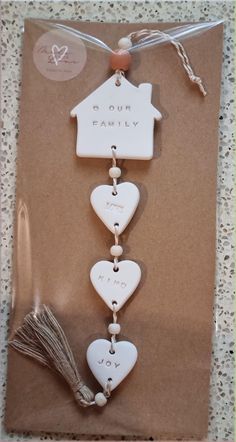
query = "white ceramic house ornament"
x=115 y=121
x=116 y=115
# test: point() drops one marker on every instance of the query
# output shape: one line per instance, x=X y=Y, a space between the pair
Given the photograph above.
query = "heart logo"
x=115 y=286
x=111 y=366
x=58 y=53
x=115 y=209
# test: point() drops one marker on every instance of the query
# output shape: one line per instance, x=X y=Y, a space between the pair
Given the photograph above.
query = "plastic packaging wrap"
x=177 y=32
x=58 y=237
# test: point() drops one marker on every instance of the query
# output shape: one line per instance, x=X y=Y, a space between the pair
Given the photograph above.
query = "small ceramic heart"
x=113 y=366
x=115 y=209
x=115 y=286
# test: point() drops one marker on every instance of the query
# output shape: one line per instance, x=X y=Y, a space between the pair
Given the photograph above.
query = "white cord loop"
x=113 y=336
x=116 y=261
x=116 y=234
x=107 y=389
x=114 y=180
x=119 y=75
x=113 y=341
x=114 y=313
x=116 y=237
x=113 y=149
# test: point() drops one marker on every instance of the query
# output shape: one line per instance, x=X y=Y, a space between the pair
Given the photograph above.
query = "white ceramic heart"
x=115 y=209
x=105 y=365
x=115 y=286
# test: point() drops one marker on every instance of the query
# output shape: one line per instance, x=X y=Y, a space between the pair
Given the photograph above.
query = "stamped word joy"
x=108 y=363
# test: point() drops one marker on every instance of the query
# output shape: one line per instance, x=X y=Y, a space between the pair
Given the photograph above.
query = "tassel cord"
x=42 y=338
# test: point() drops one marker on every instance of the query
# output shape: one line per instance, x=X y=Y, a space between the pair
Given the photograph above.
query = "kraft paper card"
x=58 y=238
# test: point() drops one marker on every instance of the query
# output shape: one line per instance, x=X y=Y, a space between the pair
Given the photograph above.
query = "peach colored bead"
x=120 y=59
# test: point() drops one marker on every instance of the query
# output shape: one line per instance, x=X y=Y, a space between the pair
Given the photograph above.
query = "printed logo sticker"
x=59 y=56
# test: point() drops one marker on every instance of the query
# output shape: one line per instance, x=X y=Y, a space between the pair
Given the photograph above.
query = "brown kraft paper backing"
x=58 y=238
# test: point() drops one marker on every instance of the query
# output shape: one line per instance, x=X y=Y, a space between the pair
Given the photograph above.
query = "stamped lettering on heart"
x=113 y=366
x=115 y=209
x=58 y=53
x=115 y=286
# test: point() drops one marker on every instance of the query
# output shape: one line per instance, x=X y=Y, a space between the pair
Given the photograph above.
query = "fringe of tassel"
x=42 y=338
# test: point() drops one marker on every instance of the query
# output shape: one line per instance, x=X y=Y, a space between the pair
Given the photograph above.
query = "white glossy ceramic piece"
x=115 y=209
x=107 y=366
x=115 y=286
x=116 y=115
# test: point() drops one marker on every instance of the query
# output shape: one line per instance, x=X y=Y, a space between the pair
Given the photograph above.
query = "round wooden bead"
x=114 y=172
x=124 y=43
x=100 y=399
x=116 y=250
x=114 y=328
x=120 y=59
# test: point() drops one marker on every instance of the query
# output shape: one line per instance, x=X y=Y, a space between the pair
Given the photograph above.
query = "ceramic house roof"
x=142 y=93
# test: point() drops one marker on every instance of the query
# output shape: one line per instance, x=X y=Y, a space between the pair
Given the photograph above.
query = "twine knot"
x=197 y=80
x=82 y=393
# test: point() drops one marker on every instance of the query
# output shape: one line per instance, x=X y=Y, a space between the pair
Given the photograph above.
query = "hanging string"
x=177 y=33
x=148 y=35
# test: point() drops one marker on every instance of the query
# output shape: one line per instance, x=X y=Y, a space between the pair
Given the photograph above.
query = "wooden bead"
x=114 y=328
x=120 y=59
x=114 y=172
x=124 y=43
x=100 y=399
x=116 y=250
